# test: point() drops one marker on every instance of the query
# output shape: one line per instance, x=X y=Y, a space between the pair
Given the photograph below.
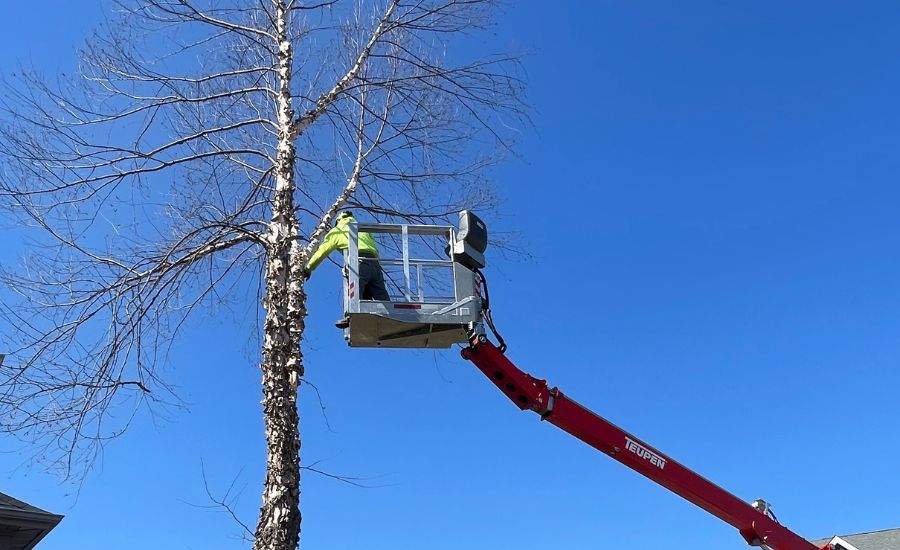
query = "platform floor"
x=374 y=331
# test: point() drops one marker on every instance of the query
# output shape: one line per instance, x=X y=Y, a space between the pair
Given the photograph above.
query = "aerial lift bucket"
x=418 y=315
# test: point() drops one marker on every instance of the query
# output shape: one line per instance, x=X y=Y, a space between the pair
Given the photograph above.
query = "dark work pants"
x=371 y=280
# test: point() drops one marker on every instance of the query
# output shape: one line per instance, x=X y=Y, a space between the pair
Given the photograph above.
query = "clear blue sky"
x=711 y=197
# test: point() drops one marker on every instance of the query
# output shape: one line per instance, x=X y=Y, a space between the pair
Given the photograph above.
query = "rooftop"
x=888 y=539
x=22 y=525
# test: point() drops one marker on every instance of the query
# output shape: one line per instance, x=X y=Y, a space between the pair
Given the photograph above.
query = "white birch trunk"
x=279 y=519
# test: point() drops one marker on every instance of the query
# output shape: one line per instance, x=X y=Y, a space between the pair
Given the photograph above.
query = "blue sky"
x=710 y=196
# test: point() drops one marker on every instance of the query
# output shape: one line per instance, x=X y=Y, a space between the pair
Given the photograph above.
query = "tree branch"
x=325 y=100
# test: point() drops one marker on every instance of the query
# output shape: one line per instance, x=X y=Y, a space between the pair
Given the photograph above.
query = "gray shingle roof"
x=889 y=539
x=22 y=525
x=9 y=503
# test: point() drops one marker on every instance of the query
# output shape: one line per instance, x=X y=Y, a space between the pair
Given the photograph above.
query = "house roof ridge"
x=871 y=532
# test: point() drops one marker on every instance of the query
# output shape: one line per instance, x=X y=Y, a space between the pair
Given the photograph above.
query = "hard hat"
x=342 y=215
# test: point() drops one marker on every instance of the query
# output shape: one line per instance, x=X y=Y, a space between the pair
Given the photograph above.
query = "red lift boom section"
x=757 y=526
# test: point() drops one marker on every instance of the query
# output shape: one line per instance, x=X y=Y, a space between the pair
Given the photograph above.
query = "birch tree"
x=206 y=145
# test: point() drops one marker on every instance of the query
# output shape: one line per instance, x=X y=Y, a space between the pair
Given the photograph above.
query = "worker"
x=371 y=278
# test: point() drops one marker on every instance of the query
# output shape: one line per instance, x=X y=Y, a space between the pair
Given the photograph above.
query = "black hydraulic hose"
x=486 y=311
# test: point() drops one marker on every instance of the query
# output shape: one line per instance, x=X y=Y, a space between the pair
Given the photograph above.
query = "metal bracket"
x=453 y=306
x=551 y=402
x=763 y=508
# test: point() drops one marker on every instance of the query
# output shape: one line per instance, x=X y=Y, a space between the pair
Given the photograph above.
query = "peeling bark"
x=278 y=527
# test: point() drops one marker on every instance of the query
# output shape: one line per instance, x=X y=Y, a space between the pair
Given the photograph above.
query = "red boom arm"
x=528 y=392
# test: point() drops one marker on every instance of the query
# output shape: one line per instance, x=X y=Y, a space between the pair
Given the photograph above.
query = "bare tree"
x=205 y=146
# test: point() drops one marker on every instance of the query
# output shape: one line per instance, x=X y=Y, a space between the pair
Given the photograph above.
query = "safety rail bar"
x=408 y=264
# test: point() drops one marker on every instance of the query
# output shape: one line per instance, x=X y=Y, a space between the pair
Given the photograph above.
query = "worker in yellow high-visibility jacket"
x=371 y=279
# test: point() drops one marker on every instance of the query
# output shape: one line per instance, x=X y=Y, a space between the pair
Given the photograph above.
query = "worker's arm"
x=329 y=245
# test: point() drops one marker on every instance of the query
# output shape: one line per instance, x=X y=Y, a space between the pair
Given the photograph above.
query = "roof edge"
x=840 y=544
x=42 y=518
